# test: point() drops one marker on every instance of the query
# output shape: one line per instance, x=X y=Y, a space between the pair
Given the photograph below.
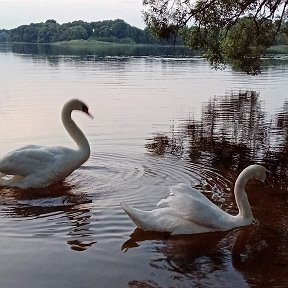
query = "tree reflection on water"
x=233 y=132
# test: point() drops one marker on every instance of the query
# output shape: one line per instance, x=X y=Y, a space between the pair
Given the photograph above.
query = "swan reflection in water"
x=57 y=208
x=253 y=251
x=200 y=259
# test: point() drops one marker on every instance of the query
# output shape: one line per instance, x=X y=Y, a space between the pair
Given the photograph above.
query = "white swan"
x=39 y=166
x=187 y=211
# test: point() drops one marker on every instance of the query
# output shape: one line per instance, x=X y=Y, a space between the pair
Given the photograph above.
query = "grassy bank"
x=100 y=48
x=81 y=44
x=94 y=44
x=103 y=49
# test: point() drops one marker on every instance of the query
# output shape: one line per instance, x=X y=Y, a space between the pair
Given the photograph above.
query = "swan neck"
x=241 y=196
x=74 y=131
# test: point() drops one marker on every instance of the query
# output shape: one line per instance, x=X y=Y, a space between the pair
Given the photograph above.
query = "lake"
x=158 y=121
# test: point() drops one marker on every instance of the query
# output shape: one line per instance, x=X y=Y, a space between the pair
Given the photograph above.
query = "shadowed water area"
x=158 y=121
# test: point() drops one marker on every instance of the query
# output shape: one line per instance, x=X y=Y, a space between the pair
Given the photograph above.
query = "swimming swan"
x=34 y=166
x=187 y=211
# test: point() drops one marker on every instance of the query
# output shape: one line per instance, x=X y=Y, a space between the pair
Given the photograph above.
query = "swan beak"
x=90 y=115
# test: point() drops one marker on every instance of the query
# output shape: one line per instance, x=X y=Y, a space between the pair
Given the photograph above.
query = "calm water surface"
x=158 y=121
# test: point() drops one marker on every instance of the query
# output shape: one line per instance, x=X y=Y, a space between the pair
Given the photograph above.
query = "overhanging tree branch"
x=216 y=23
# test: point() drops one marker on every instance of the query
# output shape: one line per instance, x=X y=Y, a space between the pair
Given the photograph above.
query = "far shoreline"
x=94 y=44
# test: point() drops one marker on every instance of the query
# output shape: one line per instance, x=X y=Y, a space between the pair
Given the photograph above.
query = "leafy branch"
x=237 y=32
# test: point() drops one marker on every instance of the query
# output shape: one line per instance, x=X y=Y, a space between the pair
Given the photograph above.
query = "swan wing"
x=163 y=220
x=196 y=209
x=30 y=159
x=185 y=189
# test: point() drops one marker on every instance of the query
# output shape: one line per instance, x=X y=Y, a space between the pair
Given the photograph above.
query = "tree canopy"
x=108 y=30
x=3 y=36
x=237 y=32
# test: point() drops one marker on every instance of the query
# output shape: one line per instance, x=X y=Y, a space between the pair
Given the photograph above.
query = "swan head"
x=76 y=104
x=257 y=171
x=85 y=109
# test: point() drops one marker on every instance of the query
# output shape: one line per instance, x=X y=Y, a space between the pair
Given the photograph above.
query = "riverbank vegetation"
x=114 y=31
x=109 y=31
x=238 y=41
x=234 y=32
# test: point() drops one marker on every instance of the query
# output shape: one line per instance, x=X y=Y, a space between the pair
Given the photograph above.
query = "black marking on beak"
x=86 y=110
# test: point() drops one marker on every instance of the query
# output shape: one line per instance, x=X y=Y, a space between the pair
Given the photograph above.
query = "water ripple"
x=87 y=202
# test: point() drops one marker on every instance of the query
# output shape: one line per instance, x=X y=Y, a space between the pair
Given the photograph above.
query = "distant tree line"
x=108 y=30
x=3 y=35
x=51 y=31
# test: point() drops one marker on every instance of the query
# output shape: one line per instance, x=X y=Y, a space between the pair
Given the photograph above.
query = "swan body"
x=187 y=211
x=35 y=166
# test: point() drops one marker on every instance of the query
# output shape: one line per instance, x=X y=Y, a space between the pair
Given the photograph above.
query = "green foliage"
x=282 y=37
x=246 y=42
x=48 y=32
x=230 y=31
x=109 y=30
x=3 y=36
x=118 y=30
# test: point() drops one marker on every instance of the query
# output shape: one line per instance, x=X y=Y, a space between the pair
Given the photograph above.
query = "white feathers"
x=187 y=211
x=34 y=166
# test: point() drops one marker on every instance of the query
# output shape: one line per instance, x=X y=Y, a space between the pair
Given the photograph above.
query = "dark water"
x=234 y=131
x=158 y=121
x=98 y=51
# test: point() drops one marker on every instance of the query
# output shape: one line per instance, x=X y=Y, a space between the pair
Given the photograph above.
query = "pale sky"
x=14 y=13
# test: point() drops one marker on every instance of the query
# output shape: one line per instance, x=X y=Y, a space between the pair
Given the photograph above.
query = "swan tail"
x=133 y=213
x=139 y=217
x=161 y=220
